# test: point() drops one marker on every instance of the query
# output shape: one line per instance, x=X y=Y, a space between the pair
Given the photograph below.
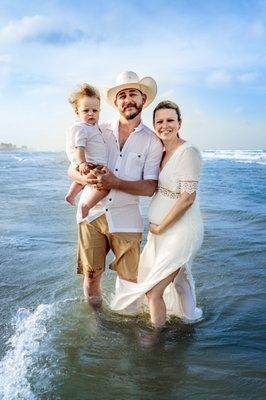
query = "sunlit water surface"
x=53 y=346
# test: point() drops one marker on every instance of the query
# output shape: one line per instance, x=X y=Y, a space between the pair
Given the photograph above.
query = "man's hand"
x=106 y=180
x=155 y=229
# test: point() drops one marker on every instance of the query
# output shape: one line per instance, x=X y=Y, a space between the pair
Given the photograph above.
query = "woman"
x=176 y=231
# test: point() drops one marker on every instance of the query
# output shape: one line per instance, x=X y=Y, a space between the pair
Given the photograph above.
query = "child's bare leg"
x=94 y=197
x=74 y=189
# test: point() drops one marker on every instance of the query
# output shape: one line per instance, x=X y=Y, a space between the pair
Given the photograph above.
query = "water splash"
x=29 y=330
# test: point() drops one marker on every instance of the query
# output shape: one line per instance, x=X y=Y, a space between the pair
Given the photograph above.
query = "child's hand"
x=84 y=168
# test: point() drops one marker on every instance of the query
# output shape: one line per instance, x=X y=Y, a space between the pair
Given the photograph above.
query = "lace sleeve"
x=188 y=186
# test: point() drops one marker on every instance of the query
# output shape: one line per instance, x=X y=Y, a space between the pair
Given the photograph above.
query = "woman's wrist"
x=160 y=229
x=156 y=229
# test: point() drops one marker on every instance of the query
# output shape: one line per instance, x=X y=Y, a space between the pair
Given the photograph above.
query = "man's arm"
x=144 y=187
x=109 y=181
x=76 y=176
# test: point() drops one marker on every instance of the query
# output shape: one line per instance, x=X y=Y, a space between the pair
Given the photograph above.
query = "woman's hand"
x=155 y=229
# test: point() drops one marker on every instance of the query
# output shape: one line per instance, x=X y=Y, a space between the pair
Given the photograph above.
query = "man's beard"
x=134 y=113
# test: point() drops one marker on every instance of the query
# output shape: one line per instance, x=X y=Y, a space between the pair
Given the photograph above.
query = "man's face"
x=129 y=102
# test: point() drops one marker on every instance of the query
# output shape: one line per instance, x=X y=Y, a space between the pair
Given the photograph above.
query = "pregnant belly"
x=159 y=208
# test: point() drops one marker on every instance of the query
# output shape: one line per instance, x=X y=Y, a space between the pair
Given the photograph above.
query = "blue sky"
x=208 y=56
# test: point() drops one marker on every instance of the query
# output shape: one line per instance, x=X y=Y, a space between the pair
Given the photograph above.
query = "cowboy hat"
x=130 y=80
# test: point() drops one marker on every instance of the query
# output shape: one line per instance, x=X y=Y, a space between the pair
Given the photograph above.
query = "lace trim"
x=188 y=186
x=168 y=193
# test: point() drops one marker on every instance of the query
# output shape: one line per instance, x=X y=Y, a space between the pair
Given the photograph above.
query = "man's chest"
x=128 y=161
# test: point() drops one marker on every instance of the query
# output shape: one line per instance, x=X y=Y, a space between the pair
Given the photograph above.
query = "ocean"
x=53 y=346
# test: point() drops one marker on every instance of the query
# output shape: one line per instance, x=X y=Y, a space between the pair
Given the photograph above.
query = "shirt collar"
x=115 y=127
x=139 y=127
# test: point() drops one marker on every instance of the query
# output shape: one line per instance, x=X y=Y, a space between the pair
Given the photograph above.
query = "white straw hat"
x=130 y=80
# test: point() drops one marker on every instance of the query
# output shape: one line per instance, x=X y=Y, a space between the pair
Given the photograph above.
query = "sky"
x=207 y=56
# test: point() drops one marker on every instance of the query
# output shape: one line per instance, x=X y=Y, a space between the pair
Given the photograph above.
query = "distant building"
x=10 y=146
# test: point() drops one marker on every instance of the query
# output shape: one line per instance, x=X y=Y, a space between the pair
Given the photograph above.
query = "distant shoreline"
x=10 y=146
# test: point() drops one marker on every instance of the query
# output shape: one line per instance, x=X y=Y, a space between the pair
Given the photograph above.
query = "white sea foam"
x=243 y=156
x=18 y=158
x=29 y=330
x=32 y=160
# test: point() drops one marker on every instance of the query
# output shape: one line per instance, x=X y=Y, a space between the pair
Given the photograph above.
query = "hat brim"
x=146 y=85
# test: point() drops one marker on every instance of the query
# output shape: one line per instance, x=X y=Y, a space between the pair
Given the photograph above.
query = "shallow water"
x=53 y=346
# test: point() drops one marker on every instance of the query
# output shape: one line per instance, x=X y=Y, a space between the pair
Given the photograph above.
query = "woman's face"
x=166 y=124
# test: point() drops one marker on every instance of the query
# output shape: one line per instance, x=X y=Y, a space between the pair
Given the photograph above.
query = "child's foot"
x=84 y=210
x=70 y=199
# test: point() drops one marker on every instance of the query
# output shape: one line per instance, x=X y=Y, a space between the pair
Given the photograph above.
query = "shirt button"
x=106 y=209
x=116 y=169
x=120 y=155
x=139 y=155
x=110 y=199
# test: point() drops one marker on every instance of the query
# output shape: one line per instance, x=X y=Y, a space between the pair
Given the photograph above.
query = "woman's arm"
x=189 y=167
x=177 y=211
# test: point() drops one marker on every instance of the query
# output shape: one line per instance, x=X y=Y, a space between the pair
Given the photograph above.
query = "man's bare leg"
x=92 y=290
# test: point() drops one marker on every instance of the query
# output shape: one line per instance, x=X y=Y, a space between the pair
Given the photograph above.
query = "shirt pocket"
x=134 y=165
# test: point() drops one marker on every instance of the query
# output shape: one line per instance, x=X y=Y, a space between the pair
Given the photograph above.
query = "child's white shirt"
x=89 y=137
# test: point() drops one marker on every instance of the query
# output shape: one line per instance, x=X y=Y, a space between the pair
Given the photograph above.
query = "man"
x=134 y=155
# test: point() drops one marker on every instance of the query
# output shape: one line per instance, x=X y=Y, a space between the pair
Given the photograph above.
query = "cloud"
x=27 y=27
x=38 y=28
x=220 y=77
x=247 y=77
x=168 y=94
x=53 y=46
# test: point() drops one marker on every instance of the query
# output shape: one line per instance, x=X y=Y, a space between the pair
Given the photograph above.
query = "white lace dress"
x=175 y=248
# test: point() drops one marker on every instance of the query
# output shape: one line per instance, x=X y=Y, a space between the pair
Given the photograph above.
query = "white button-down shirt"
x=139 y=159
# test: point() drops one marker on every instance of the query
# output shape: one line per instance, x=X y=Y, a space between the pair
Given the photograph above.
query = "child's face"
x=88 y=109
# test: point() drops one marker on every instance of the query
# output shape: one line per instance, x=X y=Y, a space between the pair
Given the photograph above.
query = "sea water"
x=53 y=346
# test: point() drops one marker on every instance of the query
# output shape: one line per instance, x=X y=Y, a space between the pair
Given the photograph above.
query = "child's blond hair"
x=83 y=90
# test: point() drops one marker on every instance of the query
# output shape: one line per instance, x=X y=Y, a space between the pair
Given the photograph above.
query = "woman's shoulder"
x=188 y=155
x=187 y=145
x=190 y=149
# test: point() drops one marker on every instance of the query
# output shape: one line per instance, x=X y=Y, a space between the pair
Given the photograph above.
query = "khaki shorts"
x=95 y=241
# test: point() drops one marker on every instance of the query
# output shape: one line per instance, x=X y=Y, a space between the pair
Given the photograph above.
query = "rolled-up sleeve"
x=153 y=160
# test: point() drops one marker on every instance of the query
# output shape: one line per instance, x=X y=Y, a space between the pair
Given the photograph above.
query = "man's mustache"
x=129 y=105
